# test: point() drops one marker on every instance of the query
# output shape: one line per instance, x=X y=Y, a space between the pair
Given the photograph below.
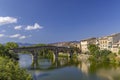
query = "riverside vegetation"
x=9 y=67
x=98 y=55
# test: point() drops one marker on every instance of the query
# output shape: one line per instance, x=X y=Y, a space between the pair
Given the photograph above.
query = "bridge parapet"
x=53 y=48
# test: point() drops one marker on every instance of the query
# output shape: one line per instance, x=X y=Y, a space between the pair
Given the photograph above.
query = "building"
x=115 y=47
x=109 y=42
x=104 y=43
x=84 y=43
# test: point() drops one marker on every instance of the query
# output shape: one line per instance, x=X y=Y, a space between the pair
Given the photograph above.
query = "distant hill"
x=65 y=44
x=25 y=44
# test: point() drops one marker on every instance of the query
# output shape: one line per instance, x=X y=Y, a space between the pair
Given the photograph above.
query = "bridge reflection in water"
x=48 y=64
x=44 y=63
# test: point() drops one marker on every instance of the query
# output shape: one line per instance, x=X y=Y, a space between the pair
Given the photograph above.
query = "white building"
x=109 y=42
x=84 y=43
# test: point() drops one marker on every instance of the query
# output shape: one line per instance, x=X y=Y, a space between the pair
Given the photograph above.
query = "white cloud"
x=2 y=35
x=17 y=27
x=19 y=36
x=36 y=26
x=7 y=20
x=15 y=36
x=22 y=37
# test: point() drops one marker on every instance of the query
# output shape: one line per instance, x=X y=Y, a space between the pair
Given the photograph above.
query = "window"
x=109 y=46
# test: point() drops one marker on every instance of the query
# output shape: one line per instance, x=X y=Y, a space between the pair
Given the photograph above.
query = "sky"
x=49 y=21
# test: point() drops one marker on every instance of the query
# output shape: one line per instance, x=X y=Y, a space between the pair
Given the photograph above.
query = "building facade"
x=109 y=42
x=84 y=44
x=104 y=43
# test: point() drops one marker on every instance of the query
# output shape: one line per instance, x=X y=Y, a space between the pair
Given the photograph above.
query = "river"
x=64 y=69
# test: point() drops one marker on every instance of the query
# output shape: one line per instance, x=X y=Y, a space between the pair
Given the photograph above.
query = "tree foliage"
x=11 y=45
x=10 y=70
x=105 y=52
x=100 y=55
x=119 y=52
x=93 y=48
x=4 y=51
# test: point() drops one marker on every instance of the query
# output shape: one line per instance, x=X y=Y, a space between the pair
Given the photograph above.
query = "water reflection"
x=66 y=69
x=84 y=67
x=105 y=70
x=42 y=64
x=25 y=60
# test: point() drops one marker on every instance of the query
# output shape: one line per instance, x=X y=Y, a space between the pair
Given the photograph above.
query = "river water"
x=64 y=69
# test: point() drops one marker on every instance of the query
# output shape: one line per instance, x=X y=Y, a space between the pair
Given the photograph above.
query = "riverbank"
x=83 y=57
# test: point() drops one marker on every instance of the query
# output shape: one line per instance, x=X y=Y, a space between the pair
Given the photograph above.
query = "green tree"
x=97 y=54
x=10 y=70
x=93 y=48
x=5 y=50
x=104 y=55
x=119 y=52
x=2 y=50
x=11 y=45
x=112 y=57
x=105 y=52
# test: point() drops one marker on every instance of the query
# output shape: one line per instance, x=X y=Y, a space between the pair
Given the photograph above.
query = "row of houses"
x=111 y=42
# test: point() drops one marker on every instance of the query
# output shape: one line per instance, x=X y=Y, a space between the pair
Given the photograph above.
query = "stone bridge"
x=34 y=51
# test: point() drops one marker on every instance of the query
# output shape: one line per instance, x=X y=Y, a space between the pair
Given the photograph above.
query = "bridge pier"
x=34 y=58
x=56 y=57
x=71 y=54
x=56 y=54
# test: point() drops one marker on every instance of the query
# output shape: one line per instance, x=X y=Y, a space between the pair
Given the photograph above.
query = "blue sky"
x=48 y=21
